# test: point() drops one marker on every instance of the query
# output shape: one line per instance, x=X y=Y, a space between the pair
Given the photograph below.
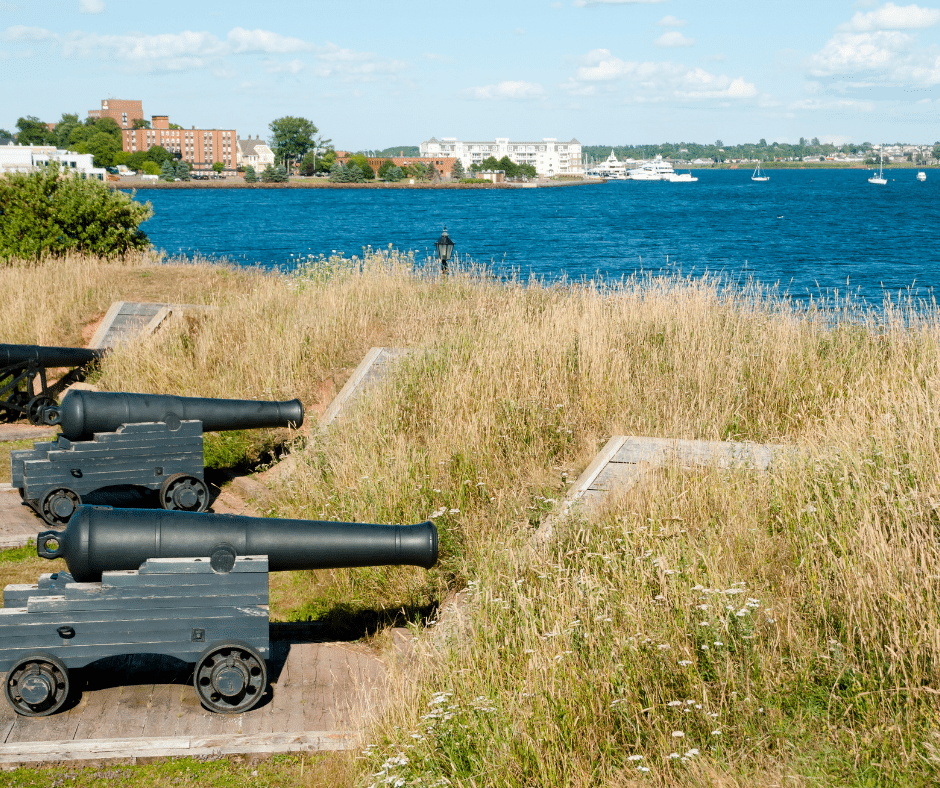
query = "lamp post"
x=445 y=249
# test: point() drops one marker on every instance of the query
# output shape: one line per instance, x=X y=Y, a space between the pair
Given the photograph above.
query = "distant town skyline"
x=612 y=72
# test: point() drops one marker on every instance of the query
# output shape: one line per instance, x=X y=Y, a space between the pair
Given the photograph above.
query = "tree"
x=159 y=154
x=489 y=163
x=167 y=171
x=936 y=151
x=63 y=129
x=5 y=136
x=337 y=173
x=458 y=171
x=140 y=123
x=182 y=171
x=102 y=146
x=218 y=167
x=309 y=165
x=32 y=131
x=384 y=167
x=508 y=166
x=150 y=168
x=291 y=137
x=48 y=216
x=250 y=175
x=394 y=174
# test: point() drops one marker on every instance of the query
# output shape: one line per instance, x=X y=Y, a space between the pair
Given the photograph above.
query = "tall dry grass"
x=785 y=624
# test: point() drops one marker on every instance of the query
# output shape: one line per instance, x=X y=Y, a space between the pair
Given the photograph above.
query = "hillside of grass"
x=726 y=627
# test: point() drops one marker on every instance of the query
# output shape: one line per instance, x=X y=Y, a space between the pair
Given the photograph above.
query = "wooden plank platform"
x=624 y=460
x=129 y=319
x=373 y=368
x=128 y=708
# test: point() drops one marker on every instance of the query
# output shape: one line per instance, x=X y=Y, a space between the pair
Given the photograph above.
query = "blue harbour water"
x=810 y=232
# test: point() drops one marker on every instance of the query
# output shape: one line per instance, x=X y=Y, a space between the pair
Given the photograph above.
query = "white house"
x=25 y=158
x=254 y=153
x=549 y=156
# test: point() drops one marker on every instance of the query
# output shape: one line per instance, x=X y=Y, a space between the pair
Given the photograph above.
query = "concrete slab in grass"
x=373 y=368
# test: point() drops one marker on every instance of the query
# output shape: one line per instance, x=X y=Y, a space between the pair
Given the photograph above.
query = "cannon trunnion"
x=202 y=600
x=110 y=439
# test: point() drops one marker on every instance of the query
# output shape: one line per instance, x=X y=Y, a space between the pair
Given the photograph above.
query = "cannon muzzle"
x=83 y=413
x=101 y=539
x=39 y=356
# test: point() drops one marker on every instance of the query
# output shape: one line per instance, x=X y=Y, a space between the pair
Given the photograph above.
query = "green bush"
x=250 y=175
x=45 y=215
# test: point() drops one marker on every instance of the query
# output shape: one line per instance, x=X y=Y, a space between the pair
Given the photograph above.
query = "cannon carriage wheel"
x=36 y=409
x=37 y=685
x=58 y=504
x=185 y=492
x=14 y=406
x=230 y=677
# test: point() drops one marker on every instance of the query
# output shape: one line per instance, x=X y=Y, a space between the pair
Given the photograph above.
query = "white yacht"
x=922 y=176
x=611 y=168
x=879 y=179
x=655 y=170
x=680 y=177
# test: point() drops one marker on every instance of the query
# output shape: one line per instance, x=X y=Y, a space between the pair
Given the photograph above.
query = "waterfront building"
x=26 y=158
x=548 y=156
x=122 y=111
x=254 y=153
x=200 y=148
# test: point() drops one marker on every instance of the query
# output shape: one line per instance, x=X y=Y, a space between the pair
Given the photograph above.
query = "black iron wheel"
x=184 y=492
x=230 y=677
x=58 y=505
x=37 y=407
x=37 y=685
x=15 y=406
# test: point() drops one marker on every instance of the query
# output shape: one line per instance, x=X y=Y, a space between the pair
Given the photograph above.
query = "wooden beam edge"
x=330 y=414
x=12 y=755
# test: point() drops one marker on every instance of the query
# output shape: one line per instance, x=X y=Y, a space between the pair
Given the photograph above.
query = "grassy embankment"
x=718 y=628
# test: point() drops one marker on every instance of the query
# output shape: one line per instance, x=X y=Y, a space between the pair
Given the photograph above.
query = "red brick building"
x=121 y=111
x=200 y=148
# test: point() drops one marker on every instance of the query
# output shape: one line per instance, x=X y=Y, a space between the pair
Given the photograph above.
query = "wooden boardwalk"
x=129 y=319
x=131 y=707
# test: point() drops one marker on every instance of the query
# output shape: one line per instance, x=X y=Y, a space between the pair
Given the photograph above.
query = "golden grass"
x=814 y=587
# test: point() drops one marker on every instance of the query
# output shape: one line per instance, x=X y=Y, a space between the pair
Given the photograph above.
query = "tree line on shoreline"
x=805 y=150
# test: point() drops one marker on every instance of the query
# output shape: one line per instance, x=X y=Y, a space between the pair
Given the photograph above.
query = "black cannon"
x=185 y=585
x=146 y=440
x=21 y=365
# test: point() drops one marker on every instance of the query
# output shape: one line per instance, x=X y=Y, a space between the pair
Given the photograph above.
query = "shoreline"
x=323 y=183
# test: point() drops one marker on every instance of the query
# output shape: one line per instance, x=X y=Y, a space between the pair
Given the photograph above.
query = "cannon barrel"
x=101 y=539
x=37 y=355
x=83 y=413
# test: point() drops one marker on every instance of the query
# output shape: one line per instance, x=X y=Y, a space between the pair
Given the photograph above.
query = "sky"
x=373 y=75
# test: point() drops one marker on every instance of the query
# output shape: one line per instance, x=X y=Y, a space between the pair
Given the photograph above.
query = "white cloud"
x=892 y=17
x=649 y=82
x=254 y=41
x=190 y=50
x=25 y=33
x=674 y=39
x=91 y=6
x=582 y=3
x=516 y=90
x=294 y=67
x=438 y=58
x=877 y=58
x=671 y=21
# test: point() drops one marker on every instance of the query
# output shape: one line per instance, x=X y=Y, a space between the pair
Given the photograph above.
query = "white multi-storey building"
x=25 y=158
x=549 y=157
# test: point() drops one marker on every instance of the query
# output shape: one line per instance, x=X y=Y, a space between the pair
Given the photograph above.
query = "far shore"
x=237 y=182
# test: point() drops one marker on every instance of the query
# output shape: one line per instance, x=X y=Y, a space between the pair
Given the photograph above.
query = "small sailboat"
x=922 y=176
x=758 y=175
x=879 y=178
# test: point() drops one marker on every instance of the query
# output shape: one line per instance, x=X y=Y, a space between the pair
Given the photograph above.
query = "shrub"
x=45 y=215
x=250 y=175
